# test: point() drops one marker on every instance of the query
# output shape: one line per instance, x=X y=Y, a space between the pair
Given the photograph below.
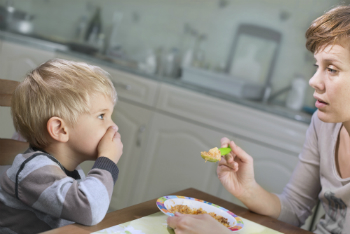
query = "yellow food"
x=184 y=209
x=213 y=155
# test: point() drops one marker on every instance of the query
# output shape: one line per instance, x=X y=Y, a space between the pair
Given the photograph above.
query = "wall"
x=153 y=24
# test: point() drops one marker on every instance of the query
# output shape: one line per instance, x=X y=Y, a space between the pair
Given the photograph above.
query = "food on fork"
x=184 y=209
x=213 y=155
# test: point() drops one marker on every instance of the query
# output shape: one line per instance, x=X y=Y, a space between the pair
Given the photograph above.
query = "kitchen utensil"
x=225 y=151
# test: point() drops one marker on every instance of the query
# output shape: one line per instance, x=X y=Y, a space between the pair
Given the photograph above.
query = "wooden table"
x=149 y=207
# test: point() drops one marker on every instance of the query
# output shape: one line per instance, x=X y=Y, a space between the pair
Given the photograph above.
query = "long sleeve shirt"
x=316 y=177
x=37 y=193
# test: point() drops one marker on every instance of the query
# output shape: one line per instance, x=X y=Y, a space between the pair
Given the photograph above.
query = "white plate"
x=165 y=203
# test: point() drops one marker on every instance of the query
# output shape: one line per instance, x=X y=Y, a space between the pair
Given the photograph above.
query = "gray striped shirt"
x=37 y=193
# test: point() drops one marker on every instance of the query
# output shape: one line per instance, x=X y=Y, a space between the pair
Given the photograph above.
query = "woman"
x=323 y=170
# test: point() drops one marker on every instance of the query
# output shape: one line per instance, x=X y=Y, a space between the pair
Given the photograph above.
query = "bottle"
x=295 y=98
x=81 y=29
x=171 y=63
x=94 y=27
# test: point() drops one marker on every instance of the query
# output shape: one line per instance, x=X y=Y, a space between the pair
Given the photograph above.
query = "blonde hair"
x=58 y=88
x=329 y=29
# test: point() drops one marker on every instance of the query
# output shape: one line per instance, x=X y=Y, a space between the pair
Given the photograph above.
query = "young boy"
x=64 y=110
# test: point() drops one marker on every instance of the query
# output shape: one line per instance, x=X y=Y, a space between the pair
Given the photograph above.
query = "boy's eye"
x=101 y=116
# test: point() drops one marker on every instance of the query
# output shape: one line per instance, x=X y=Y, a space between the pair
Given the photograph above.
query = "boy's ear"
x=57 y=129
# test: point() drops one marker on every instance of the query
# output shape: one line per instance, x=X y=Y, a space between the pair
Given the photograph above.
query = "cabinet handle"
x=123 y=86
x=139 y=135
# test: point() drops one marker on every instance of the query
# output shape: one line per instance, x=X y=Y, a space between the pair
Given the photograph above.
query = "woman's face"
x=332 y=83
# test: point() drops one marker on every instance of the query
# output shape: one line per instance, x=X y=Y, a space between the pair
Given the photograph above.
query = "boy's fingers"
x=117 y=135
x=111 y=131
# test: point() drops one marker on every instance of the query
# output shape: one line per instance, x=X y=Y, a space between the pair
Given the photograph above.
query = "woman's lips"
x=320 y=104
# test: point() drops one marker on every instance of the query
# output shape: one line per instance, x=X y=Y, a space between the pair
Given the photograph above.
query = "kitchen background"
x=181 y=82
x=142 y=28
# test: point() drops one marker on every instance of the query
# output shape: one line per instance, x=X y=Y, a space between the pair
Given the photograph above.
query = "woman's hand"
x=196 y=224
x=236 y=171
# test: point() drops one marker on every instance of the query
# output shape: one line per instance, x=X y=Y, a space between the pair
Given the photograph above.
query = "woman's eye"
x=101 y=116
x=332 y=71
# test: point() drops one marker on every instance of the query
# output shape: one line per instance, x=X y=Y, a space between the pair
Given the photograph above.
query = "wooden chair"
x=9 y=148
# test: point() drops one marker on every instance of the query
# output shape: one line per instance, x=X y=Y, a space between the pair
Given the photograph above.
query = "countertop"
x=61 y=47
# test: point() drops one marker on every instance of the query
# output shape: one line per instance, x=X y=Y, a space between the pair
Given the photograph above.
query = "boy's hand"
x=110 y=145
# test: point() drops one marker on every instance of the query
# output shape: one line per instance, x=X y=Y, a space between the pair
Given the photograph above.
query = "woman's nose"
x=316 y=81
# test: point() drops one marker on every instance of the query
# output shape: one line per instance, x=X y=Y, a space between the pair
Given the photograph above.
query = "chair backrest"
x=9 y=148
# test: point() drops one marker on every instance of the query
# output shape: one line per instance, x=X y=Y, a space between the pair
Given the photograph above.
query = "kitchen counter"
x=56 y=45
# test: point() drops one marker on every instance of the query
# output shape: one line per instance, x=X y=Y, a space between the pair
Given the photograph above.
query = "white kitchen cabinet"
x=172 y=159
x=17 y=60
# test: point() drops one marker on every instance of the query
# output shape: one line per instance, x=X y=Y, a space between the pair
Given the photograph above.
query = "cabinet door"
x=16 y=60
x=133 y=122
x=172 y=160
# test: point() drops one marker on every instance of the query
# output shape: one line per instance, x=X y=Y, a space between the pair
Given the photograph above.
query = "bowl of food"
x=188 y=205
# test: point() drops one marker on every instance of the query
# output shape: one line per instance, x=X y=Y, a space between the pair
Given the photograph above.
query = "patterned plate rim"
x=160 y=204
